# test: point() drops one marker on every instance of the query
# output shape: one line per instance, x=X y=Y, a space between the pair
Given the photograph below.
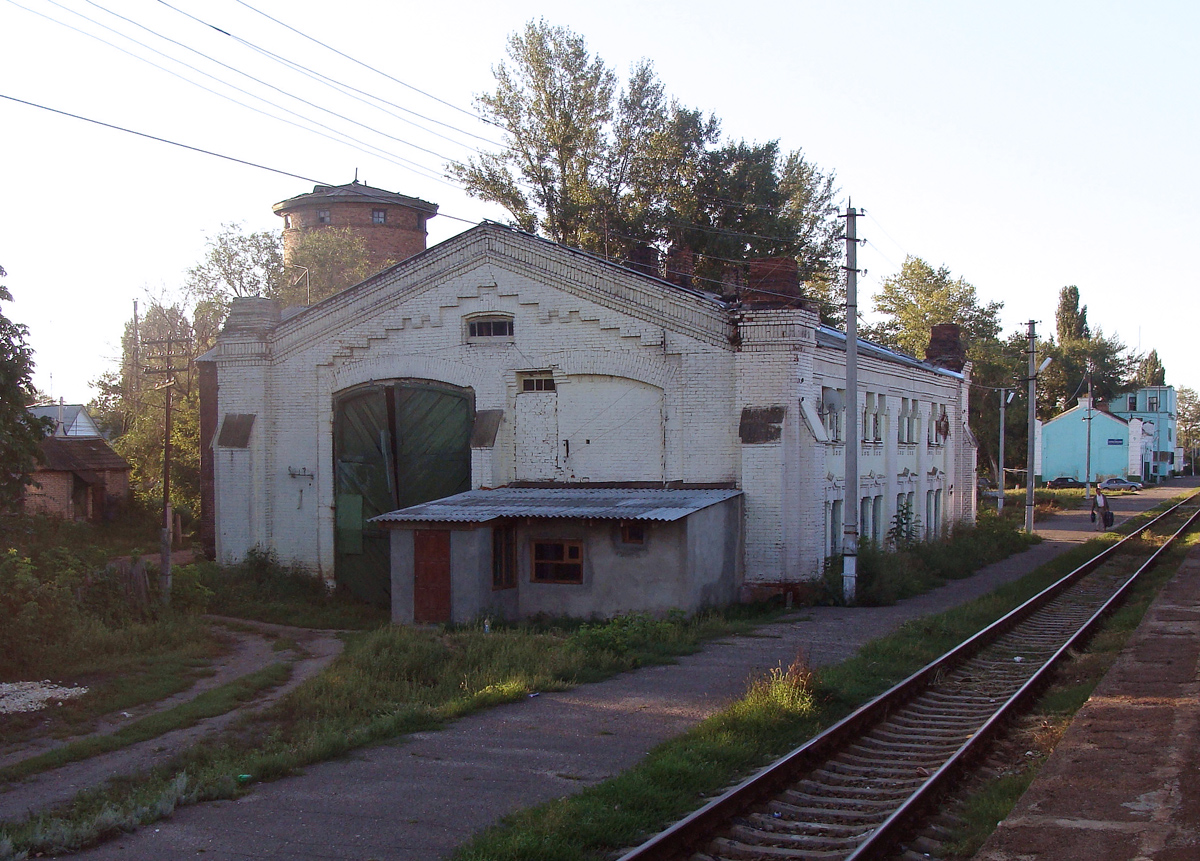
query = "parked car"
x=1064 y=481
x=1119 y=484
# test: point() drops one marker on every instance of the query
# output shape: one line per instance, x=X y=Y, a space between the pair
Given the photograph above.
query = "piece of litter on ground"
x=535 y=693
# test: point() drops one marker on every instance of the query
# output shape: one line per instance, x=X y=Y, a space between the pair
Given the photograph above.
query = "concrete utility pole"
x=1033 y=426
x=850 y=505
x=1005 y=396
x=1087 y=476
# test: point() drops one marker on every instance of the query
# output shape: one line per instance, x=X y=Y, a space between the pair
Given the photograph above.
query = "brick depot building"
x=670 y=448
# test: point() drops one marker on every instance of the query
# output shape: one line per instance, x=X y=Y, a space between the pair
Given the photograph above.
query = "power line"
x=265 y=83
x=368 y=67
x=345 y=139
x=340 y=86
x=195 y=149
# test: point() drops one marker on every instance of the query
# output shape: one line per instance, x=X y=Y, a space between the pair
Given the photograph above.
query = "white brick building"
x=497 y=357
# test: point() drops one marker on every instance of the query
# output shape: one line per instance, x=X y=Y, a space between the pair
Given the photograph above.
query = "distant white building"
x=500 y=359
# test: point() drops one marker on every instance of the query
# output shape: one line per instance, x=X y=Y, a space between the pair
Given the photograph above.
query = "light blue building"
x=1155 y=406
x=1065 y=444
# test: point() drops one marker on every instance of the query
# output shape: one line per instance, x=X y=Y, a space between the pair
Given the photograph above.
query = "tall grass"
x=262 y=588
x=886 y=576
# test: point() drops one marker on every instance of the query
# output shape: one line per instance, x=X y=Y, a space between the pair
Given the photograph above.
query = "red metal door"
x=431 y=575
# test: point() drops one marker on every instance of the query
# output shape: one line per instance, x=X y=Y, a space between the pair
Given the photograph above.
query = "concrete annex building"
x=650 y=444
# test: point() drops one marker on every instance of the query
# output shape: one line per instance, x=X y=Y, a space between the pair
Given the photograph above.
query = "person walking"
x=1101 y=511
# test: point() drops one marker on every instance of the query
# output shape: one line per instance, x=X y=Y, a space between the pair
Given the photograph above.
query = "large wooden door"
x=431 y=575
x=396 y=443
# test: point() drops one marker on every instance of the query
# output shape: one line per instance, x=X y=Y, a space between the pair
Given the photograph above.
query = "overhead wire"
x=329 y=134
x=196 y=149
x=367 y=66
x=266 y=84
x=340 y=86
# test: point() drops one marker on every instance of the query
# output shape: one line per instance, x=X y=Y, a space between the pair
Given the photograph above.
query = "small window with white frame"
x=379 y=216
x=536 y=381
x=490 y=329
x=323 y=216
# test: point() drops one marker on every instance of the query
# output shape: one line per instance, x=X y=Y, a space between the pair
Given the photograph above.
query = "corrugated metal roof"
x=829 y=337
x=594 y=503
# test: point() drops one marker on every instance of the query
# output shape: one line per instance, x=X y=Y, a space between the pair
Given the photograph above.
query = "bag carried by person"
x=1108 y=518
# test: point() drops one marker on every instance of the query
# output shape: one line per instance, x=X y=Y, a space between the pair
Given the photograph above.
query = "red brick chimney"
x=681 y=266
x=771 y=282
x=946 y=348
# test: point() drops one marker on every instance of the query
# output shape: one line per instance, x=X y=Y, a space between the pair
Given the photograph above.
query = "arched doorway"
x=396 y=443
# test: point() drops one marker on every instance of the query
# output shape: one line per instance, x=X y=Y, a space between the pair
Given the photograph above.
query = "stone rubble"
x=31 y=696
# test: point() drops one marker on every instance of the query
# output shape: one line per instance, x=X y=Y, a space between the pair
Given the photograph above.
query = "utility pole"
x=1005 y=396
x=1032 y=350
x=850 y=505
x=168 y=356
x=1087 y=477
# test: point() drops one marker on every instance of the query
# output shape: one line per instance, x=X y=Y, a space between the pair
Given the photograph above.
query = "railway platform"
x=1124 y=781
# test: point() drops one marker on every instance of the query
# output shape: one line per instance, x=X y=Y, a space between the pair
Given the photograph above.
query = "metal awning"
x=590 y=503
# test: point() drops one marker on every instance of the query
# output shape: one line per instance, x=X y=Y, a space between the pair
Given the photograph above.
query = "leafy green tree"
x=1071 y=320
x=329 y=260
x=610 y=168
x=555 y=102
x=237 y=263
x=1078 y=352
x=1150 y=371
x=20 y=432
x=1187 y=420
x=920 y=297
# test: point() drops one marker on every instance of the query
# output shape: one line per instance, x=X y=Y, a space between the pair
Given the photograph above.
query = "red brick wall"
x=402 y=236
x=53 y=497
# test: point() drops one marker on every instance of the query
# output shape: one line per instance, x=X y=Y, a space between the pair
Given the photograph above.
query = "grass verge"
x=122 y=668
x=217 y=701
x=388 y=682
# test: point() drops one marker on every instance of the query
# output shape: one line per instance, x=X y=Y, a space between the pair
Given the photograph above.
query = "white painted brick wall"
x=651 y=368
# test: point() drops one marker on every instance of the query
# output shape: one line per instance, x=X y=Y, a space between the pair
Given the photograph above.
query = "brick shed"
x=80 y=478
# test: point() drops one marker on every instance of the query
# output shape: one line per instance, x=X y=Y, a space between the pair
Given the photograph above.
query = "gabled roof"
x=591 y=503
x=1096 y=411
x=353 y=192
x=650 y=299
x=75 y=419
x=79 y=454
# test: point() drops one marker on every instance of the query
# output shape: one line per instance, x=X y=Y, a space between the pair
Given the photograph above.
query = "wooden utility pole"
x=168 y=356
x=850 y=496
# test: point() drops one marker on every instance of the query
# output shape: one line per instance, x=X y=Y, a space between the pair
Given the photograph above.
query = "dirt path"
x=254 y=650
x=404 y=800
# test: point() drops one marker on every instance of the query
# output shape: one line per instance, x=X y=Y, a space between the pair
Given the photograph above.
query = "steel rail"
x=689 y=833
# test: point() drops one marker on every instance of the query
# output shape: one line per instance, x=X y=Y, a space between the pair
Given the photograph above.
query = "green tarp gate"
x=396 y=444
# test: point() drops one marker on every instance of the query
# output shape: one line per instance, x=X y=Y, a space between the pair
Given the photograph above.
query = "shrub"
x=915 y=566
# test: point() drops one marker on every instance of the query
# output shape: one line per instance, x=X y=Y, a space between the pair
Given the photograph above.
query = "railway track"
x=855 y=789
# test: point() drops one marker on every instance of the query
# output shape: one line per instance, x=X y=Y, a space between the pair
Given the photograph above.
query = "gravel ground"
x=16 y=697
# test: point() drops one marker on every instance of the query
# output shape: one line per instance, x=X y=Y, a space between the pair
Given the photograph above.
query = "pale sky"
x=1024 y=145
